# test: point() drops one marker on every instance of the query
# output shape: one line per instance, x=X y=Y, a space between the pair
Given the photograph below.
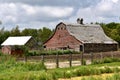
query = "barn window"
x=44 y=46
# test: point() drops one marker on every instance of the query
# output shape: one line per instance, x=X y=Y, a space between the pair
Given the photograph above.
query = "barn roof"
x=21 y=40
x=88 y=33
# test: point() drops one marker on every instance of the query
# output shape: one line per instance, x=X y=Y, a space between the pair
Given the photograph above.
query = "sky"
x=48 y=13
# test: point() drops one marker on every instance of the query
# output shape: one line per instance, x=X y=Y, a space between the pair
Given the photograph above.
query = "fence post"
x=42 y=57
x=91 y=57
x=25 y=58
x=101 y=56
x=112 y=54
x=70 y=60
x=57 y=60
x=82 y=58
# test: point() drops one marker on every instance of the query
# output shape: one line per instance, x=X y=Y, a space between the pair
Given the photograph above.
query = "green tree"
x=3 y=35
x=112 y=25
x=44 y=34
x=15 y=31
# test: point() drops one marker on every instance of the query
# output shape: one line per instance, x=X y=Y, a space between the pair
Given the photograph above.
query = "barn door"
x=81 y=48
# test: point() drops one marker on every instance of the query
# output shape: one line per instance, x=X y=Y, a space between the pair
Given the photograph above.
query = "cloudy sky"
x=48 y=13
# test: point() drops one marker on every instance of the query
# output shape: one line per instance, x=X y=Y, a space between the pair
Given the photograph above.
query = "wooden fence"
x=70 y=58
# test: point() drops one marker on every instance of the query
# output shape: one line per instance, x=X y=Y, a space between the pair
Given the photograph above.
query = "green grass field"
x=10 y=69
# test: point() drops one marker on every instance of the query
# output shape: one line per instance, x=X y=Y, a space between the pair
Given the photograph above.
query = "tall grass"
x=9 y=63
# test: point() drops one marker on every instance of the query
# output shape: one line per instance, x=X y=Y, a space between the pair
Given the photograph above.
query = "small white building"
x=9 y=45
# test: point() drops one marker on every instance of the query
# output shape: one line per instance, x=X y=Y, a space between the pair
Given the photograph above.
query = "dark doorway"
x=81 y=48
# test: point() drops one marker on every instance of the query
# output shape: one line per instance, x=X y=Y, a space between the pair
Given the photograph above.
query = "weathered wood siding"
x=62 y=39
x=95 y=47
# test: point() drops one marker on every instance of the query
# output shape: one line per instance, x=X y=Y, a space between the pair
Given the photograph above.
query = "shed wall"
x=6 y=50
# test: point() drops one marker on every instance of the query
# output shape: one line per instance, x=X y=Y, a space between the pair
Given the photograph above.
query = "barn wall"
x=6 y=50
x=100 y=47
x=62 y=39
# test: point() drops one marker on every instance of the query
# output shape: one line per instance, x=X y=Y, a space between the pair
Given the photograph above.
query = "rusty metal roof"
x=19 y=40
x=89 y=33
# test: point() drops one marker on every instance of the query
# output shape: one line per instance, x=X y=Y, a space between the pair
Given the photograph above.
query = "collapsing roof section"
x=21 y=40
x=89 y=33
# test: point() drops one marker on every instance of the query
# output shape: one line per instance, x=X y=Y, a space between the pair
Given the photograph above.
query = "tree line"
x=41 y=35
x=112 y=30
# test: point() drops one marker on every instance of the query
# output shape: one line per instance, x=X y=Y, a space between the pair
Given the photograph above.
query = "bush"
x=82 y=71
x=106 y=60
x=97 y=62
x=108 y=70
x=33 y=66
x=68 y=74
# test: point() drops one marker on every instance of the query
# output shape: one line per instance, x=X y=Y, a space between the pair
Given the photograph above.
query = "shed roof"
x=19 y=40
x=89 y=33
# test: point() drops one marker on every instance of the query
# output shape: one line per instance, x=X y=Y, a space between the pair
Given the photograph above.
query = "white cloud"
x=48 y=13
x=115 y=1
x=57 y=11
x=12 y=13
x=104 y=11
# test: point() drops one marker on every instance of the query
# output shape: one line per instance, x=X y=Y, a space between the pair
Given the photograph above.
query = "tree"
x=112 y=30
x=3 y=35
x=15 y=31
x=44 y=34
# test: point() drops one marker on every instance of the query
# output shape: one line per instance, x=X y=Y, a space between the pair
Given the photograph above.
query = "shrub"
x=107 y=60
x=97 y=62
x=82 y=71
x=108 y=70
x=57 y=74
x=68 y=74
x=34 y=66
x=116 y=70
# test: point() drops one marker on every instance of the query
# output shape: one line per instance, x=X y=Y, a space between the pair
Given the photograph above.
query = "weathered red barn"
x=12 y=44
x=80 y=37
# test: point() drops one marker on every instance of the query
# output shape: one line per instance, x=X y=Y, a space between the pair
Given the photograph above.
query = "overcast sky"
x=48 y=13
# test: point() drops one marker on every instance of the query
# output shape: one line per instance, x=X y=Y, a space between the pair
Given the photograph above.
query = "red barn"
x=80 y=37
